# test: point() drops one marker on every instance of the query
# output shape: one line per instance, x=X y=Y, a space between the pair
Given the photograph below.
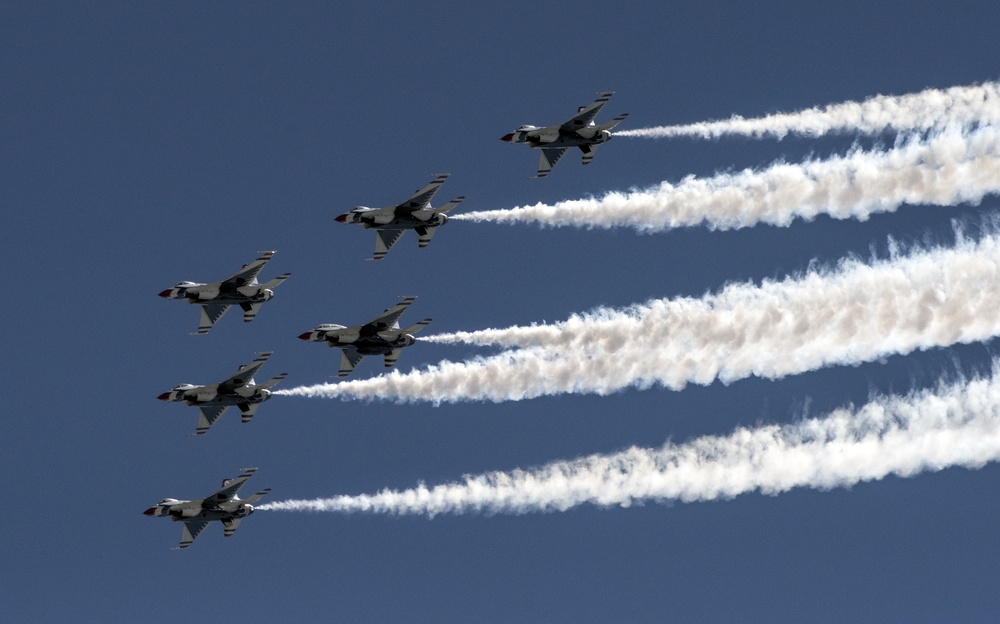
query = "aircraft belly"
x=372 y=347
x=567 y=141
x=397 y=224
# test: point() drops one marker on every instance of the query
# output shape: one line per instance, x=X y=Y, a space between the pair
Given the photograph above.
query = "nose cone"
x=149 y=512
x=166 y=293
x=341 y=219
x=164 y=397
x=306 y=336
x=507 y=137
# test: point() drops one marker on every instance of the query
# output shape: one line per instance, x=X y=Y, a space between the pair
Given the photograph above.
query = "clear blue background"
x=146 y=143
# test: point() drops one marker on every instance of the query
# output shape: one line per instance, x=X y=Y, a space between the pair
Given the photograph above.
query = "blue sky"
x=144 y=144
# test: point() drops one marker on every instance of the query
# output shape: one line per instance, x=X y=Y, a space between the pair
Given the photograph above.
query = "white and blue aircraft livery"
x=241 y=289
x=223 y=506
x=578 y=131
x=239 y=390
x=415 y=213
x=380 y=336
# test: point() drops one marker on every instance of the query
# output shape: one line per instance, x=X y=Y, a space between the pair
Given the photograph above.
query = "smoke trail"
x=950 y=168
x=956 y=425
x=927 y=110
x=856 y=312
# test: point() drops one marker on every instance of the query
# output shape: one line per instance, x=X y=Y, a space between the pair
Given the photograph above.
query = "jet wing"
x=249 y=272
x=210 y=313
x=586 y=114
x=550 y=156
x=207 y=415
x=420 y=199
x=349 y=358
x=191 y=530
x=388 y=318
x=246 y=372
x=384 y=240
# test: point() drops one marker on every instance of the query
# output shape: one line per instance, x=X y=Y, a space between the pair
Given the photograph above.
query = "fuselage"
x=181 y=510
x=216 y=394
x=556 y=137
x=366 y=341
x=372 y=218
x=218 y=293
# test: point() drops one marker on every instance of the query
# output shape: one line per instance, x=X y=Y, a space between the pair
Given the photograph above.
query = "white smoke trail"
x=927 y=110
x=949 y=168
x=956 y=425
x=856 y=312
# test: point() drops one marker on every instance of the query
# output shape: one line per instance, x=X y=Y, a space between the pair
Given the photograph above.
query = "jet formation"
x=239 y=389
x=241 y=289
x=415 y=213
x=380 y=336
x=222 y=506
x=578 y=131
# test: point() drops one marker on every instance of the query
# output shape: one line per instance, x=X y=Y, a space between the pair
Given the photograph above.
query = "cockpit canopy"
x=526 y=127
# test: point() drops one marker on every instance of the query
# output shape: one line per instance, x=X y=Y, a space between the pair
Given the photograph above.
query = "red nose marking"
x=150 y=511
x=166 y=293
x=164 y=397
x=507 y=137
x=341 y=219
x=306 y=336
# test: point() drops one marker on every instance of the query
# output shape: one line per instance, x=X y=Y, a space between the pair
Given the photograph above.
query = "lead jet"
x=415 y=213
x=241 y=289
x=239 y=390
x=223 y=506
x=578 y=131
x=380 y=336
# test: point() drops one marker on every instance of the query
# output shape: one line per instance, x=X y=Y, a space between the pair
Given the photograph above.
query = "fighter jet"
x=239 y=389
x=415 y=213
x=381 y=336
x=578 y=131
x=241 y=289
x=223 y=506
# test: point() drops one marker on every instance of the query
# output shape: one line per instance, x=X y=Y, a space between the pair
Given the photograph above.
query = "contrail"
x=949 y=168
x=927 y=110
x=852 y=313
x=954 y=425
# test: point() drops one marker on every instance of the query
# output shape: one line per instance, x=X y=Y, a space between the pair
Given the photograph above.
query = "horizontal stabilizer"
x=276 y=281
x=614 y=122
x=248 y=410
x=391 y=357
x=412 y=329
x=229 y=526
x=270 y=383
x=425 y=234
x=256 y=497
x=450 y=205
